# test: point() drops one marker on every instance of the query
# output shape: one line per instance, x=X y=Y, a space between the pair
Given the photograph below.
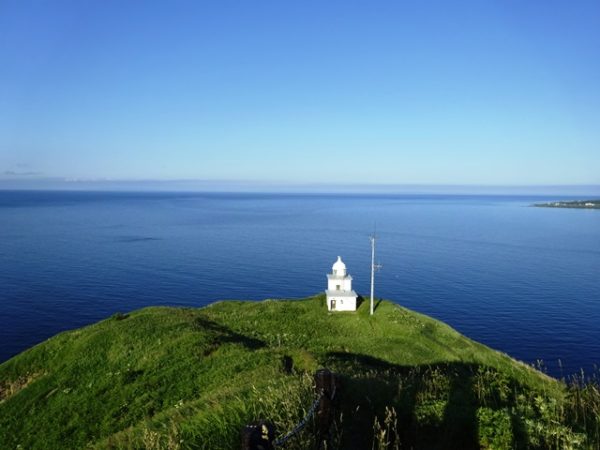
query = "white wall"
x=345 y=284
x=342 y=303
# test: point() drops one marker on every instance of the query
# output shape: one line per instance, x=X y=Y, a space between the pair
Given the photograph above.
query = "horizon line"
x=256 y=186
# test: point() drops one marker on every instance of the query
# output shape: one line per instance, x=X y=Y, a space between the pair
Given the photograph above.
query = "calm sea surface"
x=523 y=280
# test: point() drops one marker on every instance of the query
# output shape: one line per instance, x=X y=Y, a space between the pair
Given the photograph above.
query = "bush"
x=495 y=430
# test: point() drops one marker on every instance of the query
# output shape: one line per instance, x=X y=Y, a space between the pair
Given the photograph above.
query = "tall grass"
x=188 y=378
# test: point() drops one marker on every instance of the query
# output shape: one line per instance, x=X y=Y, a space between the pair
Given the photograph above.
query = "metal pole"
x=372 y=270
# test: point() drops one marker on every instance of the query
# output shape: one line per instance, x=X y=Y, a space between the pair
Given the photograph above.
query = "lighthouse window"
x=337 y=287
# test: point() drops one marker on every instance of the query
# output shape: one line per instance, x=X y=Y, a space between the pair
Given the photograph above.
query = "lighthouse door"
x=332 y=304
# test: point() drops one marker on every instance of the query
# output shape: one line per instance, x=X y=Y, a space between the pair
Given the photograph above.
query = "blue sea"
x=523 y=280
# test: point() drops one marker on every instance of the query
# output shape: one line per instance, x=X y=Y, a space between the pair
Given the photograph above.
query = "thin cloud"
x=12 y=173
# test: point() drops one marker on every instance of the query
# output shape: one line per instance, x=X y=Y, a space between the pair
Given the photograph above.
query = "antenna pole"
x=372 y=269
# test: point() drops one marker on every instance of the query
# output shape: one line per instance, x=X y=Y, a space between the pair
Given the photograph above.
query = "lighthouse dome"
x=339 y=268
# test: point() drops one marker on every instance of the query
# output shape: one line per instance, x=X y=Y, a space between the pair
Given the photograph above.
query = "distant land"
x=584 y=204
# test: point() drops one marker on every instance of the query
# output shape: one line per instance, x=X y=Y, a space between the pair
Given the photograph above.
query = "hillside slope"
x=190 y=378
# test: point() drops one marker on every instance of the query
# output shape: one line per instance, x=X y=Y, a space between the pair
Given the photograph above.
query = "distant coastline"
x=581 y=204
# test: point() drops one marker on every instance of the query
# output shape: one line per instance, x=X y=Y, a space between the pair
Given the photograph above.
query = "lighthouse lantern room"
x=340 y=296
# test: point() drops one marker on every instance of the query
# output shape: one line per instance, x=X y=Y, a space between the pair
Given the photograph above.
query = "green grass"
x=191 y=378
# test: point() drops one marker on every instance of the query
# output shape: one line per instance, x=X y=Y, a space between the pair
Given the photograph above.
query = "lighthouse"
x=340 y=296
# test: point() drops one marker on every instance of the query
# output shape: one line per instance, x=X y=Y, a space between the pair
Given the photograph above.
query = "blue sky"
x=468 y=93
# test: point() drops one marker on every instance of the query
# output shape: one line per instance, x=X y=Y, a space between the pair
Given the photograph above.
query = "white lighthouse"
x=340 y=296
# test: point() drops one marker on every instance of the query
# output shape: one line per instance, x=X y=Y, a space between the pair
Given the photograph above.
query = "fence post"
x=328 y=383
x=258 y=436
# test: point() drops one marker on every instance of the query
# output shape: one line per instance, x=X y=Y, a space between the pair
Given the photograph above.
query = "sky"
x=281 y=92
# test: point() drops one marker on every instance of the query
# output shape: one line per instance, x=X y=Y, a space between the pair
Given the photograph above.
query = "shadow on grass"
x=520 y=439
x=435 y=404
x=378 y=384
x=360 y=300
x=225 y=335
x=377 y=303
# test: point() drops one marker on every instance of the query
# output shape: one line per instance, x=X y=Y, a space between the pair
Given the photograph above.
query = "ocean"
x=519 y=279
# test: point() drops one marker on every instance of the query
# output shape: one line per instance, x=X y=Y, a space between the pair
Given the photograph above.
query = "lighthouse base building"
x=340 y=296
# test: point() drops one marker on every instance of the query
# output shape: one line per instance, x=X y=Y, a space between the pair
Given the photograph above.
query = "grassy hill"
x=191 y=378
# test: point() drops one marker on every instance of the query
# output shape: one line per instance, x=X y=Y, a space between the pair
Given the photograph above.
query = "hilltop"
x=166 y=377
